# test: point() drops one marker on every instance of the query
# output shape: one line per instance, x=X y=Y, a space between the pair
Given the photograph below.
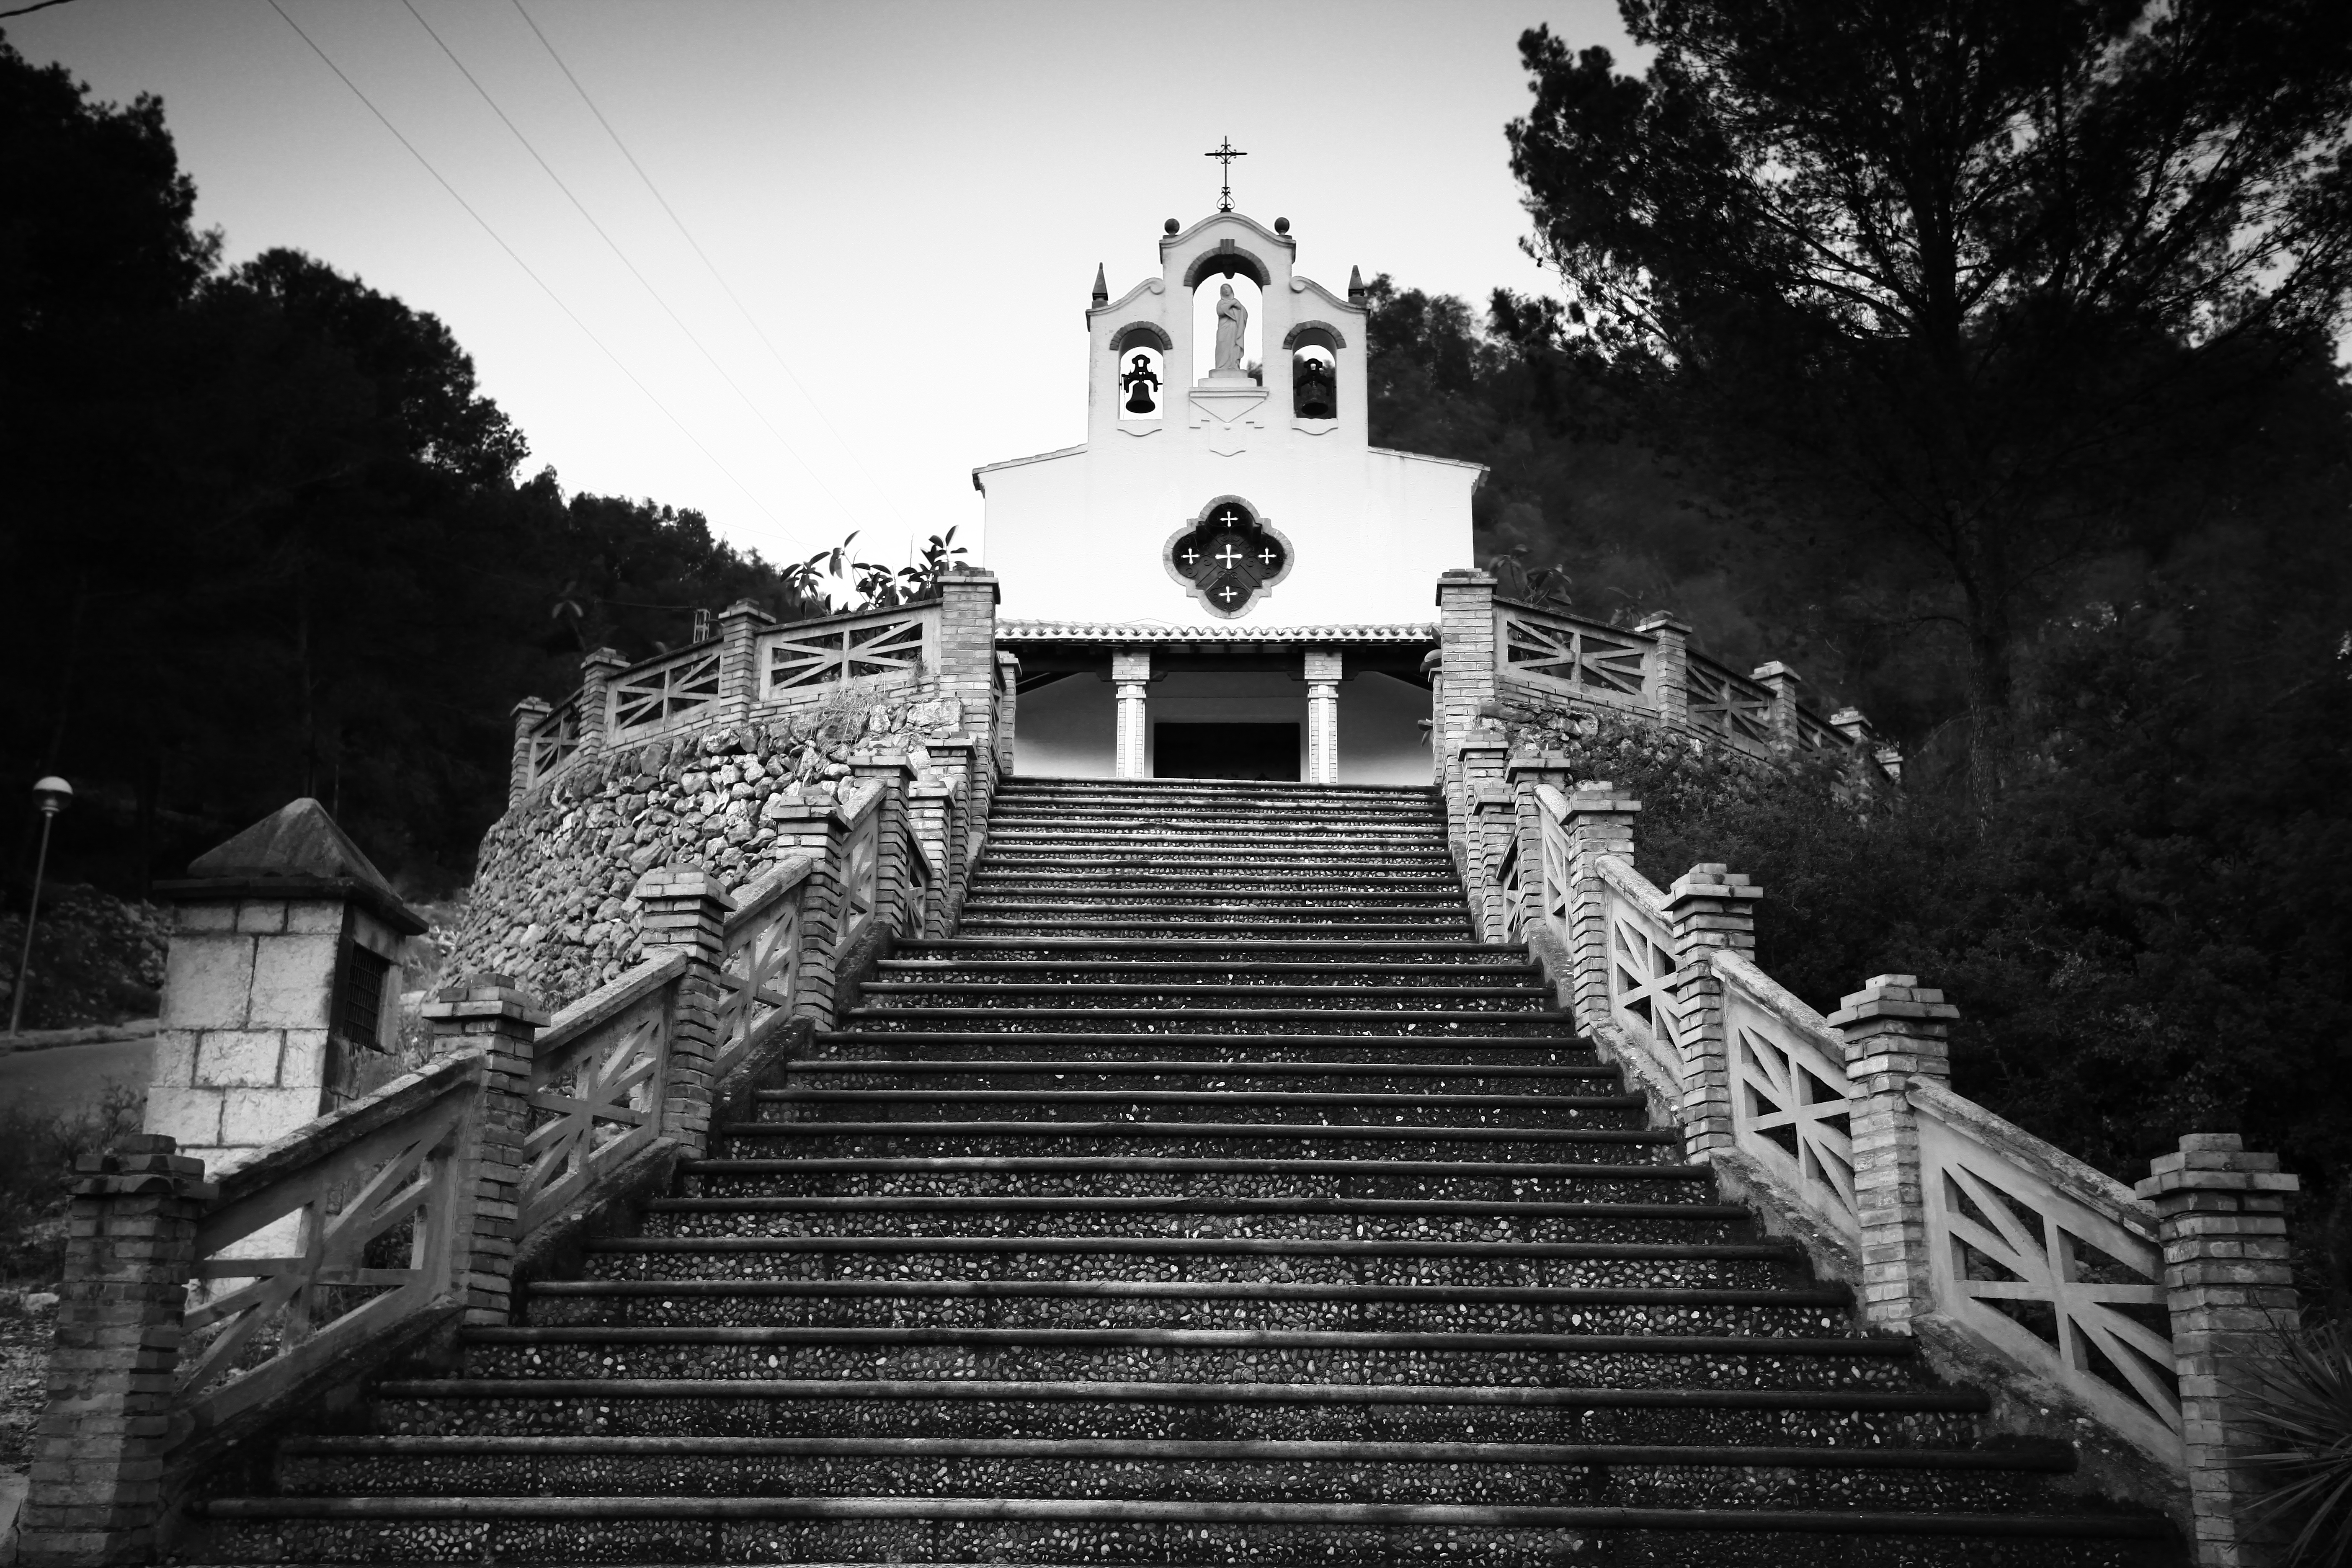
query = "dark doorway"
x=1225 y=751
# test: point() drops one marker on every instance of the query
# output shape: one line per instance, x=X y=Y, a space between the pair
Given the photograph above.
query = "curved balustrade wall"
x=722 y=756
x=551 y=901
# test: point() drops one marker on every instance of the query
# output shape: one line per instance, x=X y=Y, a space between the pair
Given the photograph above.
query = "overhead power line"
x=716 y=276
x=587 y=332
x=613 y=245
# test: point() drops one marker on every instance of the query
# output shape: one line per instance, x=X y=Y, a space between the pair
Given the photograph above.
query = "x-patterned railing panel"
x=801 y=660
x=1791 y=1102
x=759 y=967
x=2046 y=1259
x=308 y=1256
x=1547 y=646
x=596 y=1091
x=556 y=738
x=650 y=696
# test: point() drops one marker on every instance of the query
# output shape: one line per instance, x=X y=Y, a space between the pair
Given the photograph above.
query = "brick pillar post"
x=1895 y=1032
x=1784 y=682
x=1495 y=821
x=740 y=625
x=490 y=1013
x=968 y=601
x=596 y=672
x=2221 y=1217
x=1854 y=724
x=1465 y=633
x=1665 y=674
x=1890 y=760
x=1710 y=906
x=97 y=1487
x=819 y=830
x=683 y=910
x=1131 y=671
x=1322 y=675
x=529 y=714
x=966 y=769
x=1007 y=709
x=896 y=883
x=1599 y=821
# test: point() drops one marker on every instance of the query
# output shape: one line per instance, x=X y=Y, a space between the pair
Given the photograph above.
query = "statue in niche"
x=1141 y=385
x=1232 y=317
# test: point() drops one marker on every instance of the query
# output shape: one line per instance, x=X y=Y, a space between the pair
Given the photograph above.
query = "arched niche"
x=1314 y=349
x=1138 y=353
x=1228 y=260
x=1206 y=296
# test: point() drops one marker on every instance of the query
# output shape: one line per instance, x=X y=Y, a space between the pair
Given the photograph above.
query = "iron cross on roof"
x=1224 y=152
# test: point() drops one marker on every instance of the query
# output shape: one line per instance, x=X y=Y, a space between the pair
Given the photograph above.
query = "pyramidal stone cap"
x=298 y=851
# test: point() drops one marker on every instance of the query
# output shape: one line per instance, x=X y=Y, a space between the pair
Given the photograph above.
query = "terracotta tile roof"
x=1132 y=632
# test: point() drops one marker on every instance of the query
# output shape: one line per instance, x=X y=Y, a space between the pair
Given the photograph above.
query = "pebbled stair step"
x=1179 y=1068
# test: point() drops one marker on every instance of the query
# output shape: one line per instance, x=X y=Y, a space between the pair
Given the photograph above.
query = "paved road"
x=64 y=1077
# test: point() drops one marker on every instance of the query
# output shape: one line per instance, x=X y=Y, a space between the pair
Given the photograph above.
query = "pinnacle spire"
x=1102 y=286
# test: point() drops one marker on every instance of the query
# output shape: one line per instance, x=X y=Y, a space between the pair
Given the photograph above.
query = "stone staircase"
x=1211 y=1197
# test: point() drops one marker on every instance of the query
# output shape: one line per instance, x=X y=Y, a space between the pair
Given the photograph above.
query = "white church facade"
x=1226 y=580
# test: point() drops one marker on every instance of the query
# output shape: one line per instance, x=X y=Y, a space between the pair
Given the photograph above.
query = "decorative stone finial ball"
x=1172 y=226
x=1282 y=225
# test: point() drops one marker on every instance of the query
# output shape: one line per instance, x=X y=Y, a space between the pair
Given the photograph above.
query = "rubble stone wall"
x=550 y=904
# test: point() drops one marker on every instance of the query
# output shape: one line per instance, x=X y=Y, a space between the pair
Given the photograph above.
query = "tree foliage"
x=1957 y=276
x=268 y=537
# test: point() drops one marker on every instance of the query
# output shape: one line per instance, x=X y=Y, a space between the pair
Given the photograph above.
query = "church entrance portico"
x=1347 y=706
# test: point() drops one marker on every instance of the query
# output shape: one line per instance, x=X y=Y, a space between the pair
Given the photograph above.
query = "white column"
x=1322 y=677
x=1132 y=673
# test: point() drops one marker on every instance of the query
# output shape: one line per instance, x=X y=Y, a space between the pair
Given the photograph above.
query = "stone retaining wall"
x=551 y=903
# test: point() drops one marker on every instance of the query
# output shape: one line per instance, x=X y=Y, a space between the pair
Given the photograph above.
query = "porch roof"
x=1133 y=633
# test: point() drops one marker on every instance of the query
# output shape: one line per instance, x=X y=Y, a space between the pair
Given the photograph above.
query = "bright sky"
x=909 y=199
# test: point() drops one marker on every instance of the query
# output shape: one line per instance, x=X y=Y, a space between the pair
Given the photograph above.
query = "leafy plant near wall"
x=2304 y=1397
x=875 y=585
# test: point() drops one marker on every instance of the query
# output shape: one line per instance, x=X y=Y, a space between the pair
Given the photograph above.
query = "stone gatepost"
x=931 y=815
x=2221 y=1217
x=740 y=625
x=1710 y=906
x=1130 y=671
x=1007 y=708
x=1494 y=833
x=596 y=672
x=1668 y=672
x=529 y=714
x=97 y=1484
x=968 y=601
x=1784 y=682
x=1896 y=1035
x=898 y=883
x=682 y=908
x=489 y=1013
x=280 y=991
x=970 y=778
x=1320 y=668
x=1599 y=821
x=1465 y=631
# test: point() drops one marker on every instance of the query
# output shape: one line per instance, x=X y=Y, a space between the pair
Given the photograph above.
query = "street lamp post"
x=52 y=795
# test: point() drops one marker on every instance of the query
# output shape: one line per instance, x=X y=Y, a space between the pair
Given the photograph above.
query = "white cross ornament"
x=1229 y=554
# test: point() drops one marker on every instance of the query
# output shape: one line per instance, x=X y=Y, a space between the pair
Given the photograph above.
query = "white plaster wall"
x=1079 y=536
x=1380 y=738
x=1067 y=730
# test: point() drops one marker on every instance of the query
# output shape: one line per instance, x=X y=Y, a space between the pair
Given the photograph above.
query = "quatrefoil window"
x=1228 y=556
